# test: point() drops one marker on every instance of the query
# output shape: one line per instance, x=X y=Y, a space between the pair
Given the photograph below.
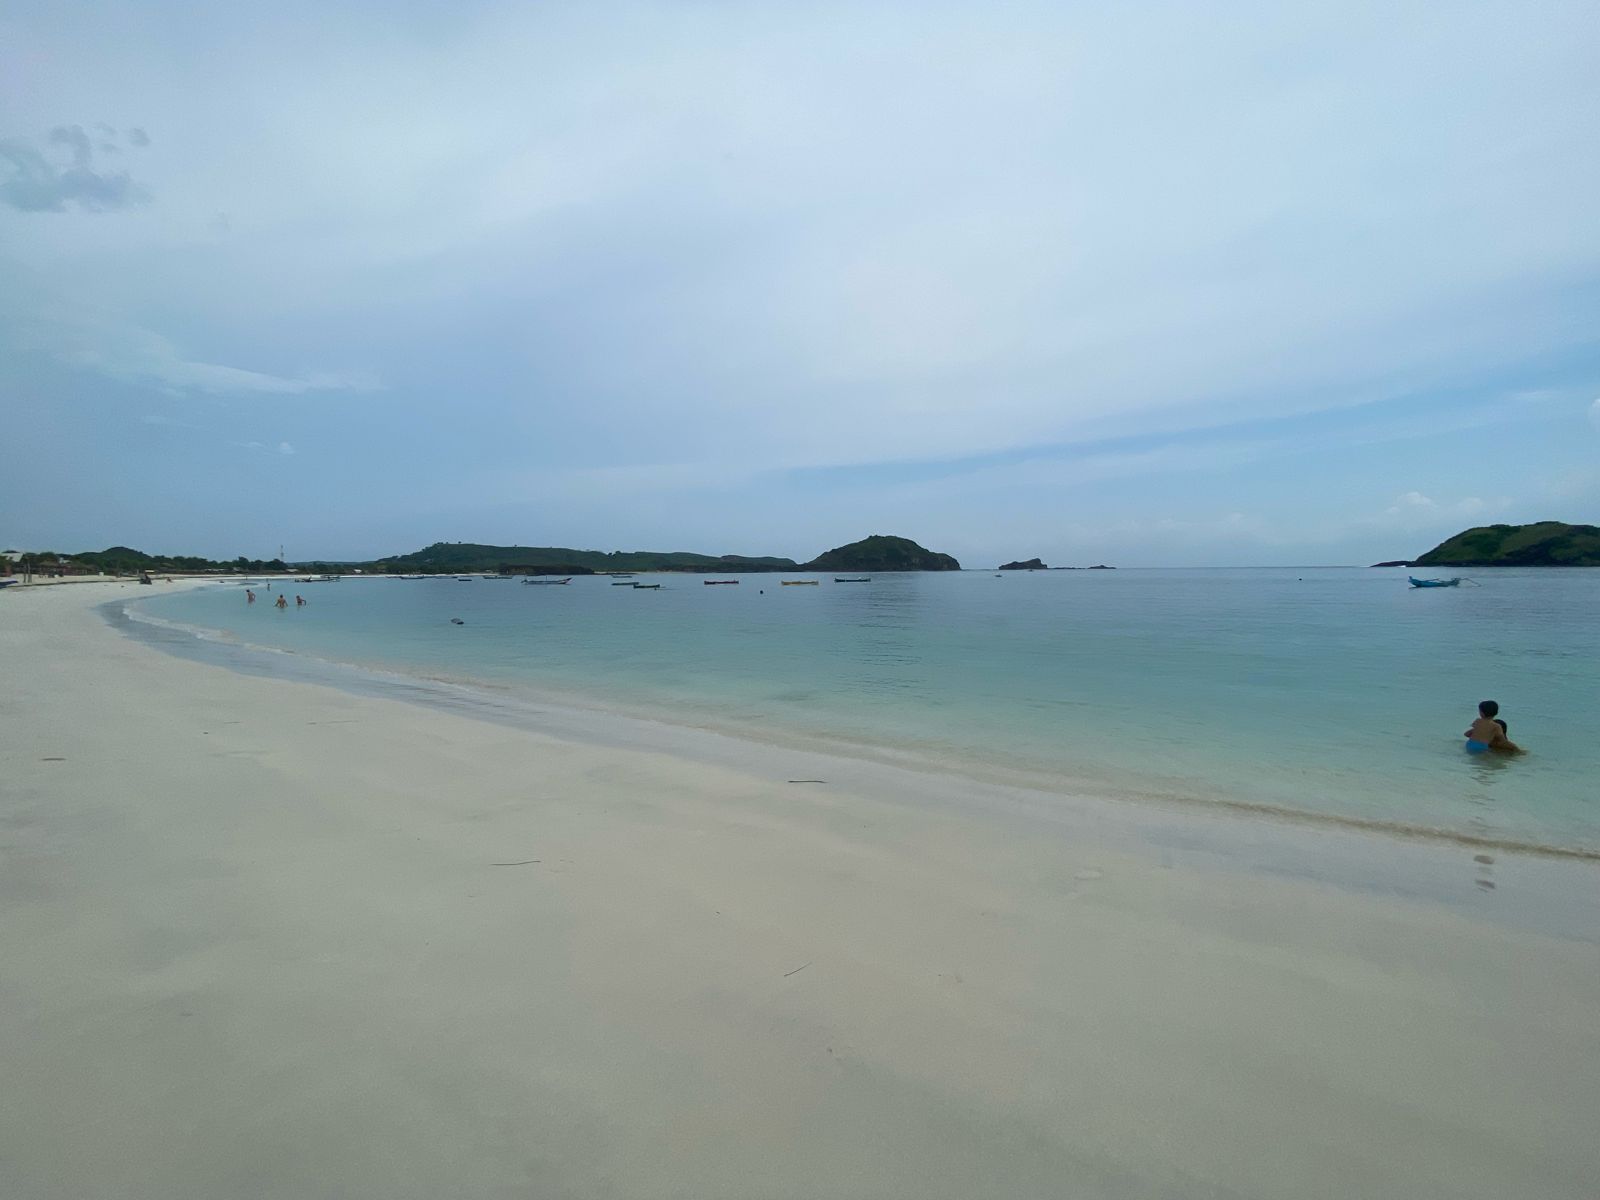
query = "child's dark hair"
x=1488 y=708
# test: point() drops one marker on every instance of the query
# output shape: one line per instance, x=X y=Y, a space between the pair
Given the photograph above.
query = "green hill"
x=880 y=553
x=463 y=557
x=1543 y=544
x=876 y=553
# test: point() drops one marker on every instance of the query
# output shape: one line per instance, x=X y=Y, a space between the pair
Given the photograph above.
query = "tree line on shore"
x=878 y=552
x=123 y=560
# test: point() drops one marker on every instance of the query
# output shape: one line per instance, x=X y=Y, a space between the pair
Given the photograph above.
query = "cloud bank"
x=781 y=270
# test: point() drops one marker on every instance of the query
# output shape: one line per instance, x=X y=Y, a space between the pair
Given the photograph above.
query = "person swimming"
x=1489 y=732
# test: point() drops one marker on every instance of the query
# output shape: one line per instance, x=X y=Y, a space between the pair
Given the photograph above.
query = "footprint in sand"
x=1077 y=888
x=1485 y=870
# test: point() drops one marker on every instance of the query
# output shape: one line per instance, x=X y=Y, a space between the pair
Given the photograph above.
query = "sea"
x=1331 y=694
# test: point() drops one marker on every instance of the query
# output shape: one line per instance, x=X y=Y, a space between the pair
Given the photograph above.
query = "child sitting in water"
x=1488 y=732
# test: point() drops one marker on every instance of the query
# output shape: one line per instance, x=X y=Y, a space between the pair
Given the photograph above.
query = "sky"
x=1147 y=284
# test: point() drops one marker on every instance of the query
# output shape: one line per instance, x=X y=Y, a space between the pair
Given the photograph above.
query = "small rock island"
x=1032 y=564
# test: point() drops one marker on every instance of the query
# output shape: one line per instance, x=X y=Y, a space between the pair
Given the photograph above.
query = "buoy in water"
x=457 y=621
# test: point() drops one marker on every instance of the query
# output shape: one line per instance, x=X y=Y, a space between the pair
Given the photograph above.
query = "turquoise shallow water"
x=1332 y=691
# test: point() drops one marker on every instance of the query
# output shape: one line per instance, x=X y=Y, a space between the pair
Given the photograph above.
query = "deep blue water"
x=1338 y=691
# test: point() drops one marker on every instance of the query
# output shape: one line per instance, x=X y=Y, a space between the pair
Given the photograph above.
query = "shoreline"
x=271 y=938
x=525 y=706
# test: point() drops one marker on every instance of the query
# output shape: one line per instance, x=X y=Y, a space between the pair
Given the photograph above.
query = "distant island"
x=1032 y=564
x=881 y=553
x=462 y=557
x=875 y=553
x=1542 y=544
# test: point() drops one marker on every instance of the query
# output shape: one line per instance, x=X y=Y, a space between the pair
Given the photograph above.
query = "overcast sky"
x=1141 y=283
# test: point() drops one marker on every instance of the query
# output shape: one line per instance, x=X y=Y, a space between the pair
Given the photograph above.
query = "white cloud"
x=89 y=340
x=1594 y=414
x=1410 y=502
x=285 y=448
x=1415 y=508
x=137 y=355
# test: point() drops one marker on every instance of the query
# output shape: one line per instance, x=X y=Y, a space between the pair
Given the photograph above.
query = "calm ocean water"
x=1332 y=691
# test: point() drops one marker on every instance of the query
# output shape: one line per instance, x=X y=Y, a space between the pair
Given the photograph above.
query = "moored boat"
x=646 y=587
x=1433 y=583
x=856 y=579
x=799 y=582
x=717 y=582
x=548 y=582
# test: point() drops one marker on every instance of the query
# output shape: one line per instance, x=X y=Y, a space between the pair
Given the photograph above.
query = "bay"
x=1337 y=693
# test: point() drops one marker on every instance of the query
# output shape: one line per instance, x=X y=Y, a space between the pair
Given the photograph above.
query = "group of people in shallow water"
x=282 y=601
x=1488 y=732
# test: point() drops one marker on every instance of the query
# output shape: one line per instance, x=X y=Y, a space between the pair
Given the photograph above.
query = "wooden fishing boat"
x=799 y=582
x=717 y=582
x=622 y=583
x=1432 y=583
x=857 y=579
x=646 y=587
x=548 y=582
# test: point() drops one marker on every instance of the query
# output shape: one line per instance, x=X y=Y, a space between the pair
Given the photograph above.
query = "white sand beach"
x=271 y=939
